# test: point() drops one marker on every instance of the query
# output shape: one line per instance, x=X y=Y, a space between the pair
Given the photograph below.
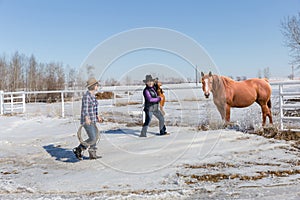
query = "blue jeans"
x=159 y=116
x=91 y=142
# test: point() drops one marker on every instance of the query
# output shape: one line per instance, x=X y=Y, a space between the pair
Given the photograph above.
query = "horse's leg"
x=221 y=108
x=265 y=112
x=270 y=118
x=270 y=113
x=227 y=118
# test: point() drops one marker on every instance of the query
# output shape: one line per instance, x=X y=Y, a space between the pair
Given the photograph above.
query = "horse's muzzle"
x=206 y=95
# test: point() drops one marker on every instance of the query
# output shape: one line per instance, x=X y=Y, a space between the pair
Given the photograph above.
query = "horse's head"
x=158 y=83
x=207 y=81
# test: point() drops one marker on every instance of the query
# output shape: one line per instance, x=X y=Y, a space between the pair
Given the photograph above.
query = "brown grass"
x=127 y=103
x=104 y=95
x=194 y=178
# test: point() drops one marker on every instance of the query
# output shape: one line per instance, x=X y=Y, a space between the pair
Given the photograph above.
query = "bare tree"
x=128 y=80
x=16 y=72
x=20 y=72
x=259 y=73
x=3 y=72
x=290 y=28
x=71 y=77
x=55 y=76
x=32 y=74
x=60 y=75
x=267 y=73
x=90 y=70
x=40 y=77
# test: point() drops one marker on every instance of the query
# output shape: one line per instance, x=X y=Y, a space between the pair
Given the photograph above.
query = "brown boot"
x=93 y=155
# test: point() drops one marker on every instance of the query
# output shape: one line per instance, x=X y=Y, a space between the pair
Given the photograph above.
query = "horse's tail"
x=269 y=103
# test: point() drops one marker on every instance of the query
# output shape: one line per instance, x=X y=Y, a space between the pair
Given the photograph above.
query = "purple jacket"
x=151 y=97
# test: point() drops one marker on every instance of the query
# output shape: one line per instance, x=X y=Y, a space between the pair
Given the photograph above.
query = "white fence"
x=289 y=95
x=12 y=102
x=15 y=102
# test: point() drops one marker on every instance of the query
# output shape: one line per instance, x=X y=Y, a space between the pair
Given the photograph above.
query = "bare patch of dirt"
x=195 y=178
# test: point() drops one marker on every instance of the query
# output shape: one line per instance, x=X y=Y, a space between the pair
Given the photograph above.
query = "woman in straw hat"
x=151 y=107
x=89 y=117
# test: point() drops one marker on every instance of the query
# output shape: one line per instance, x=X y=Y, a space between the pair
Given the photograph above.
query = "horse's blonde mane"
x=218 y=85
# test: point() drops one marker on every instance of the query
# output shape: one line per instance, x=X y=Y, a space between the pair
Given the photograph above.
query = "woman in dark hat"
x=151 y=107
x=89 y=117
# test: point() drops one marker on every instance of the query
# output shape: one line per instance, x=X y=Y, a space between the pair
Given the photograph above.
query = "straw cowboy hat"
x=91 y=81
x=148 y=78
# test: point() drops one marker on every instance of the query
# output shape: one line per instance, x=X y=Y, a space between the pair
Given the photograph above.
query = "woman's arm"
x=150 y=98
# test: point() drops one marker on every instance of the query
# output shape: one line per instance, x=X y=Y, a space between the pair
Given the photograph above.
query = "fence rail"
x=13 y=105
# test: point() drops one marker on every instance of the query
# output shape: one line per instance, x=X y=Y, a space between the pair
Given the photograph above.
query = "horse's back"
x=260 y=84
x=244 y=93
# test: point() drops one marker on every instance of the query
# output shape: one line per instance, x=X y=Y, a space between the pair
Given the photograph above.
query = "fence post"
x=281 y=105
x=115 y=97
x=128 y=96
x=24 y=102
x=62 y=104
x=11 y=102
x=1 y=102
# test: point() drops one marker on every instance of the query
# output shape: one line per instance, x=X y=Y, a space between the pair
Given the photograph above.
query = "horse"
x=228 y=93
x=160 y=92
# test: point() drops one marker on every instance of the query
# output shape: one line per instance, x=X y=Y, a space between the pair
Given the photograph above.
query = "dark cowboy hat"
x=91 y=81
x=148 y=78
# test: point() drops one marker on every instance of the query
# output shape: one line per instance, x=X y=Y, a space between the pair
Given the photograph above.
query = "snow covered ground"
x=37 y=163
x=36 y=159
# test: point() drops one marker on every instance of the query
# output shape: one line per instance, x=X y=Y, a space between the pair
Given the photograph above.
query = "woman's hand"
x=87 y=120
x=100 y=119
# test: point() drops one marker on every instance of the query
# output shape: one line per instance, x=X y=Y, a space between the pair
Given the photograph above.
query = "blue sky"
x=240 y=36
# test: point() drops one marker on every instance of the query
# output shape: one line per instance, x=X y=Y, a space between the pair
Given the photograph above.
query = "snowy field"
x=37 y=162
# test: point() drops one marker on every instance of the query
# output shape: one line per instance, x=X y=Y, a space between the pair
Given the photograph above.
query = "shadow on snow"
x=61 y=154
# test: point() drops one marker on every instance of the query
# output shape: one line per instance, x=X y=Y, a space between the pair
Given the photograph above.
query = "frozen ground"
x=37 y=163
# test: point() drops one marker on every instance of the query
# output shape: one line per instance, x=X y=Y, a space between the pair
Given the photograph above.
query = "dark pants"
x=159 y=116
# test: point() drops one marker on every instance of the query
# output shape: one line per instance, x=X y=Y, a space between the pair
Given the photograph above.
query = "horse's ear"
x=210 y=74
x=202 y=74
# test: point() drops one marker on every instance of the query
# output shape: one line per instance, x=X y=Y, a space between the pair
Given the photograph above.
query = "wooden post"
x=62 y=104
x=11 y=102
x=128 y=96
x=1 y=102
x=24 y=102
x=281 y=105
x=115 y=96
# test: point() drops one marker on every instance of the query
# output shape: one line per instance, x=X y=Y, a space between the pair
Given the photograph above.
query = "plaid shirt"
x=89 y=107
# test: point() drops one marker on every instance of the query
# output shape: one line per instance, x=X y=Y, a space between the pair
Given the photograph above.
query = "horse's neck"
x=217 y=84
x=218 y=87
x=159 y=90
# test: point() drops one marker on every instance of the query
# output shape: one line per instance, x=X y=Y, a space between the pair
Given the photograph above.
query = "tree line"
x=22 y=73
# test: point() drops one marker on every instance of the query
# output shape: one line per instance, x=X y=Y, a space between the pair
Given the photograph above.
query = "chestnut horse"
x=228 y=93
